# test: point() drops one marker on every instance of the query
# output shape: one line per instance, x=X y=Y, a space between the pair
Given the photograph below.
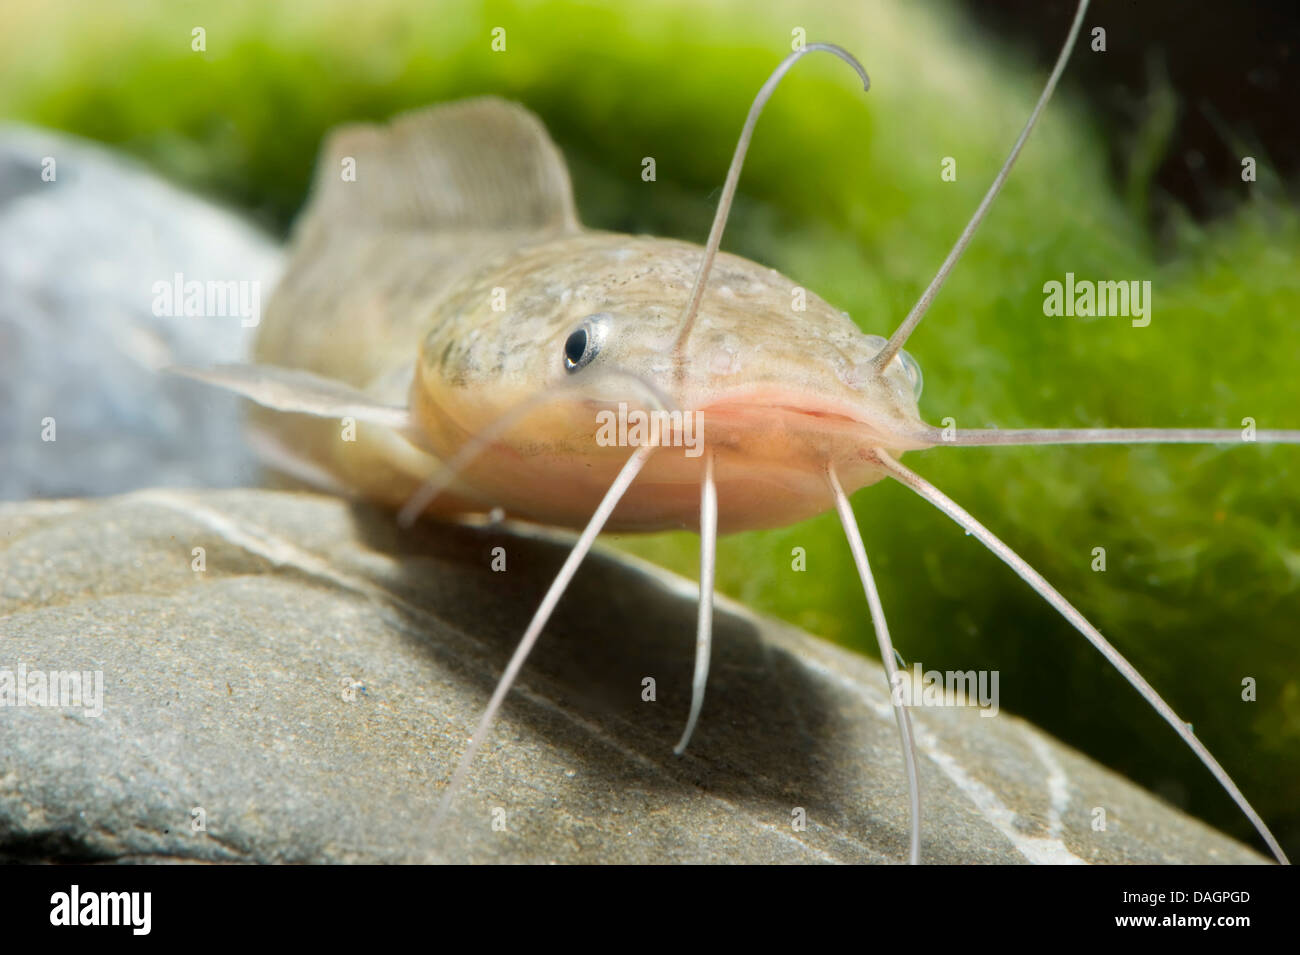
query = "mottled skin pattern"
x=781 y=392
x=468 y=324
x=353 y=306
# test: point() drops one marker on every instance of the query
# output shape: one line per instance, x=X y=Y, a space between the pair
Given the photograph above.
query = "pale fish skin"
x=448 y=278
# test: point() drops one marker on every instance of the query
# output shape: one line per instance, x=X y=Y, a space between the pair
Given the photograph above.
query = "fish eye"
x=584 y=342
x=575 y=346
x=911 y=367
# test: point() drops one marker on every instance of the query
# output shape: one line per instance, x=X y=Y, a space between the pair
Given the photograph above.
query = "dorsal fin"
x=476 y=164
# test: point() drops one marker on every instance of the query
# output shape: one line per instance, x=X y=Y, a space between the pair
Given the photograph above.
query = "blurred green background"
x=842 y=192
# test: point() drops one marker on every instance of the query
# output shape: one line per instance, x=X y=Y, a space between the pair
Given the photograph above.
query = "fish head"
x=572 y=351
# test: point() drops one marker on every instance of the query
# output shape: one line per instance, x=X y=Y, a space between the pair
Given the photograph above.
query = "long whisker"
x=733 y=174
x=704 y=624
x=900 y=336
x=562 y=580
x=887 y=656
x=1062 y=606
x=446 y=475
x=985 y=437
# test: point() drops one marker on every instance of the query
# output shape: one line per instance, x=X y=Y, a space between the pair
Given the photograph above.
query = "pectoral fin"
x=301 y=392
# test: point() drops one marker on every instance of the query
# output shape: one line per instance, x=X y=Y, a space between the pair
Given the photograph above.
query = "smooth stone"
x=79 y=341
x=311 y=690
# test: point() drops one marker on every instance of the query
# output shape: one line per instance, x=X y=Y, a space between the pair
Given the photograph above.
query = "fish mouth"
x=818 y=413
x=775 y=409
x=781 y=402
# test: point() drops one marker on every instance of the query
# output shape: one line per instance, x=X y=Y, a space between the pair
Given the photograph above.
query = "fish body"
x=449 y=276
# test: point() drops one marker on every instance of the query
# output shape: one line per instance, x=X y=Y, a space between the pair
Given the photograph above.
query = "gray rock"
x=310 y=690
x=79 y=340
